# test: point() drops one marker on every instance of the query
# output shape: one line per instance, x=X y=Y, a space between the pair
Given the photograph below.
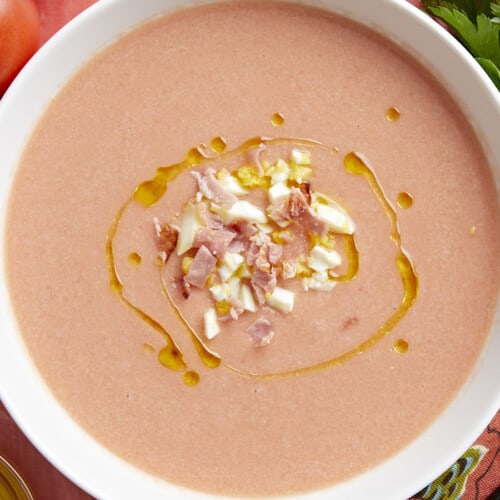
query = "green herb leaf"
x=495 y=9
x=475 y=26
x=492 y=70
x=471 y=8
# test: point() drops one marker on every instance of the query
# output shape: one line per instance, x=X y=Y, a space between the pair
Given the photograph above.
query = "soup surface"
x=225 y=70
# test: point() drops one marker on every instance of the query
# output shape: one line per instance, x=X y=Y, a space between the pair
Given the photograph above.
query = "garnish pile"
x=476 y=23
x=246 y=233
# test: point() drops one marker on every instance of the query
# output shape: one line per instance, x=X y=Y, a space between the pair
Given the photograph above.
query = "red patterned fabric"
x=475 y=476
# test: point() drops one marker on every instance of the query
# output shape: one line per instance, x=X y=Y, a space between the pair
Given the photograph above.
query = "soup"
x=295 y=414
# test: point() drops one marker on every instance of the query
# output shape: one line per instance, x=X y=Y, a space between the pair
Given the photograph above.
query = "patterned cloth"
x=475 y=475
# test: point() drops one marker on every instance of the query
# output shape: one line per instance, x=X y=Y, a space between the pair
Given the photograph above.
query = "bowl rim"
x=21 y=387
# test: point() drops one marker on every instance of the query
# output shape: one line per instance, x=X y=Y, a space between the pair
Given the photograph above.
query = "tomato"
x=19 y=37
x=54 y=14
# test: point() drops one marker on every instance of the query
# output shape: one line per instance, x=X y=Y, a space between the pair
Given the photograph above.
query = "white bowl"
x=23 y=391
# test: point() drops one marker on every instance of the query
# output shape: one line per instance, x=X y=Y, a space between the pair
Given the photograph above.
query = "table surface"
x=481 y=481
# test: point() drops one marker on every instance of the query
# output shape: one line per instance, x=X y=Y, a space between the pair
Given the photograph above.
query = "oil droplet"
x=159 y=261
x=191 y=378
x=472 y=230
x=171 y=357
x=134 y=259
x=277 y=119
x=404 y=200
x=401 y=346
x=392 y=114
x=194 y=157
x=148 y=347
x=218 y=145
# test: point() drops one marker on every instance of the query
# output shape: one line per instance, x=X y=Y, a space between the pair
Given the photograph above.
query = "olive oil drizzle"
x=356 y=164
x=151 y=191
x=208 y=357
x=352 y=258
x=171 y=355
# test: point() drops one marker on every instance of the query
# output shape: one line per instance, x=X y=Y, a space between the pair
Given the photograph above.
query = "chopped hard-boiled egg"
x=232 y=185
x=319 y=281
x=246 y=298
x=278 y=193
x=234 y=287
x=211 y=324
x=245 y=210
x=321 y=259
x=220 y=291
x=191 y=222
x=281 y=299
x=300 y=157
x=279 y=172
x=332 y=213
x=229 y=264
x=241 y=210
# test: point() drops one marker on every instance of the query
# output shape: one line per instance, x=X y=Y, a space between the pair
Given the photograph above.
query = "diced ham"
x=298 y=209
x=254 y=157
x=209 y=219
x=289 y=268
x=275 y=213
x=263 y=252
x=261 y=331
x=274 y=252
x=305 y=189
x=213 y=190
x=262 y=260
x=244 y=228
x=216 y=240
x=263 y=282
x=165 y=239
x=235 y=312
x=260 y=295
x=264 y=279
x=238 y=245
x=252 y=253
x=314 y=223
x=296 y=206
x=201 y=267
x=261 y=238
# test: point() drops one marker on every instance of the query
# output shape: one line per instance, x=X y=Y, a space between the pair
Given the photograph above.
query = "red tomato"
x=54 y=14
x=19 y=37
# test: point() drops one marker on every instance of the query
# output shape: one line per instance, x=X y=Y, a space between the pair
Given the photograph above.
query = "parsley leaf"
x=492 y=70
x=477 y=26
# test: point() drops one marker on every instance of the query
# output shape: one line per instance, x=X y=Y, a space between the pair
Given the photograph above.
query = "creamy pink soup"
x=224 y=70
